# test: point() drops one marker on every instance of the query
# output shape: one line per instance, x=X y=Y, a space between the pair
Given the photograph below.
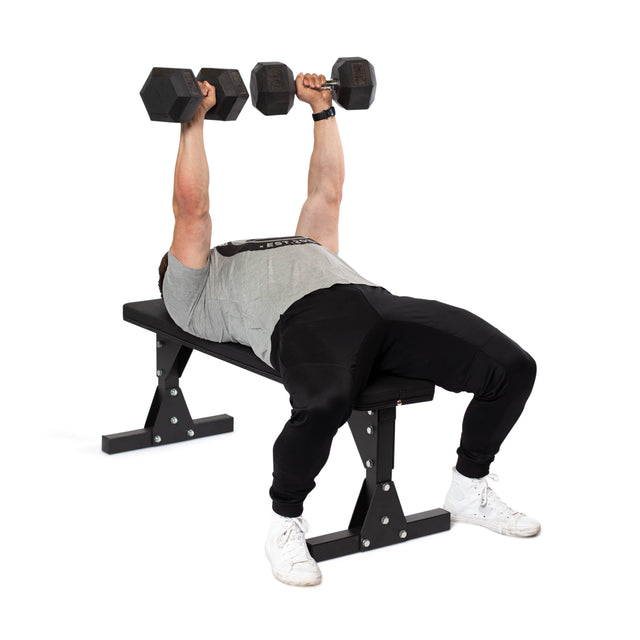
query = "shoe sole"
x=525 y=533
x=311 y=582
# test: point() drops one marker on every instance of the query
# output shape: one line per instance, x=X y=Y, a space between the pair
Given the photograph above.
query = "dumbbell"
x=273 y=88
x=173 y=95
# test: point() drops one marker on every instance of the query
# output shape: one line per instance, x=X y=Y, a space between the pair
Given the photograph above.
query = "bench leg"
x=169 y=419
x=378 y=519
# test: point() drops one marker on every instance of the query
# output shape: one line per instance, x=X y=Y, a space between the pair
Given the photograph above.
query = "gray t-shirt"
x=247 y=285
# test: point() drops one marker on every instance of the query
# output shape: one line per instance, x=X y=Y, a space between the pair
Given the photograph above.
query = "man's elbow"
x=190 y=208
x=328 y=194
x=333 y=196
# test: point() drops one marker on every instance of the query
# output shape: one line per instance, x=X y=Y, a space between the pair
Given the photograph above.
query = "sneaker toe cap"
x=301 y=574
x=527 y=526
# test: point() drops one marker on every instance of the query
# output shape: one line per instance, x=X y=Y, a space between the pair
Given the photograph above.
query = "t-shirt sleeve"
x=182 y=288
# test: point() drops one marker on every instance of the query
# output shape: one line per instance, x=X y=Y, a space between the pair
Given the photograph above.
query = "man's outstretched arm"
x=192 y=231
x=321 y=211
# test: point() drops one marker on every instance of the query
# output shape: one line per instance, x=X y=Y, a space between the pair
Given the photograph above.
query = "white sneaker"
x=287 y=551
x=473 y=501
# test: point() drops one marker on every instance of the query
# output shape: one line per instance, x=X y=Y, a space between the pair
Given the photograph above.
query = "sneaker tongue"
x=297 y=546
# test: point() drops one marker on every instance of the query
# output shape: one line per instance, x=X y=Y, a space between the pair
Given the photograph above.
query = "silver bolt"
x=370 y=430
x=370 y=412
x=365 y=542
x=386 y=486
x=173 y=392
x=157 y=439
x=369 y=464
x=159 y=372
x=174 y=420
x=191 y=433
x=402 y=533
x=159 y=344
x=384 y=519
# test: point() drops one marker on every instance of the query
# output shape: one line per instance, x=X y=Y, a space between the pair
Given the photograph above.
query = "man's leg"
x=459 y=351
x=323 y=347
x=326 y=344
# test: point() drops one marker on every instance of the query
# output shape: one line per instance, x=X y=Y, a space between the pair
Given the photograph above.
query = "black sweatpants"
x=327 y=345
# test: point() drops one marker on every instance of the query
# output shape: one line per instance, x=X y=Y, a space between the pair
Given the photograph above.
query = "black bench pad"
x=381 y=391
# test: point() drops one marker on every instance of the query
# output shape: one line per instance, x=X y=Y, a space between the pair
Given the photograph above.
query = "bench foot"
x=169 y=419
x=142 y=438
x=343 y=543
x=378 y=519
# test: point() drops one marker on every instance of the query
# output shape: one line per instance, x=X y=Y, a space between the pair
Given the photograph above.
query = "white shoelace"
x=488 y=496
x=293 y=540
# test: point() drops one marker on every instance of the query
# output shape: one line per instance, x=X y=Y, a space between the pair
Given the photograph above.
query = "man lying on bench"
x=325 y=329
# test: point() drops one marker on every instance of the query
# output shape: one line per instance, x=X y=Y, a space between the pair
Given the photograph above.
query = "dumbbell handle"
x=329 y=84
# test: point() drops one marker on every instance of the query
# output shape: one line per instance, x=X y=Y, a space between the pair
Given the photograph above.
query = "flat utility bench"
x=378 y=519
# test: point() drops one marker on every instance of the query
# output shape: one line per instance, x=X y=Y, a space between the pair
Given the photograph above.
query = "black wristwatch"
x=322 y=115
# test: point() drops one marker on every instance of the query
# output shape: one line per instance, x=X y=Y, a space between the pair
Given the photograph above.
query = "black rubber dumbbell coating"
x=356 y=83
x=171 y=95
x=231 y=93
x=273 y=88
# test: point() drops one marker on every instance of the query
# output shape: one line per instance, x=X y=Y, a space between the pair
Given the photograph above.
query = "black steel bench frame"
x=378 y=519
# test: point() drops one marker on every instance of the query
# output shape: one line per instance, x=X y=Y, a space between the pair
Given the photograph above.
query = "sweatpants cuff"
x=471 y=469
x=287 y=510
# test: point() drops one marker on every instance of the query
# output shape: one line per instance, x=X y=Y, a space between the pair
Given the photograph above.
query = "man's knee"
x=519 y=369
x=526 y=368
x=327 y=408
x=505 y=365
x=321 y=395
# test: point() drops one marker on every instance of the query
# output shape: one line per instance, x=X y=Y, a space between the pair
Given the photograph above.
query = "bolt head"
x=174 y=420
x=365 y=542
x=370 y=412
x=369 y=464
x=159 y=372
x=191 y=433
x=370 y=430
x=384 y=519
x=402 y=533
x=386 y=486
x=173 y=392
x=157 y=439
x=159 y=344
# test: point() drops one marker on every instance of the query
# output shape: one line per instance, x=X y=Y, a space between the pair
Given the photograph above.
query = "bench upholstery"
x=381 y=391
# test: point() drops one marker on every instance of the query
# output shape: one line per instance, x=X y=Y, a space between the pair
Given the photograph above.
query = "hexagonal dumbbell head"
x=231 y=93
x=273 y=88
x=357 y=83
x=171 y=95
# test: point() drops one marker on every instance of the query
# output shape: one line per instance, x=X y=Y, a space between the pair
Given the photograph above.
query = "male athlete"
x=325 y=329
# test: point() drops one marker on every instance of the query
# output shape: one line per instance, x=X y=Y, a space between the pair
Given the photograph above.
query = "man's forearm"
x=326 y=169
x=191 y=179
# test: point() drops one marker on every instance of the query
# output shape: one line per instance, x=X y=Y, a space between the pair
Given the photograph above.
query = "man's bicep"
x=192 y=240
x=319 y=221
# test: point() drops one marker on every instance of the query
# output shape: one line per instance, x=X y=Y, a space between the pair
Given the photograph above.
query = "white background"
x=497 y=170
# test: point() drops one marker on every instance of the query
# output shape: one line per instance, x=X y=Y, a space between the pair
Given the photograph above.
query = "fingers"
x=313 y=80
x=208 y=96
x=207 y=89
